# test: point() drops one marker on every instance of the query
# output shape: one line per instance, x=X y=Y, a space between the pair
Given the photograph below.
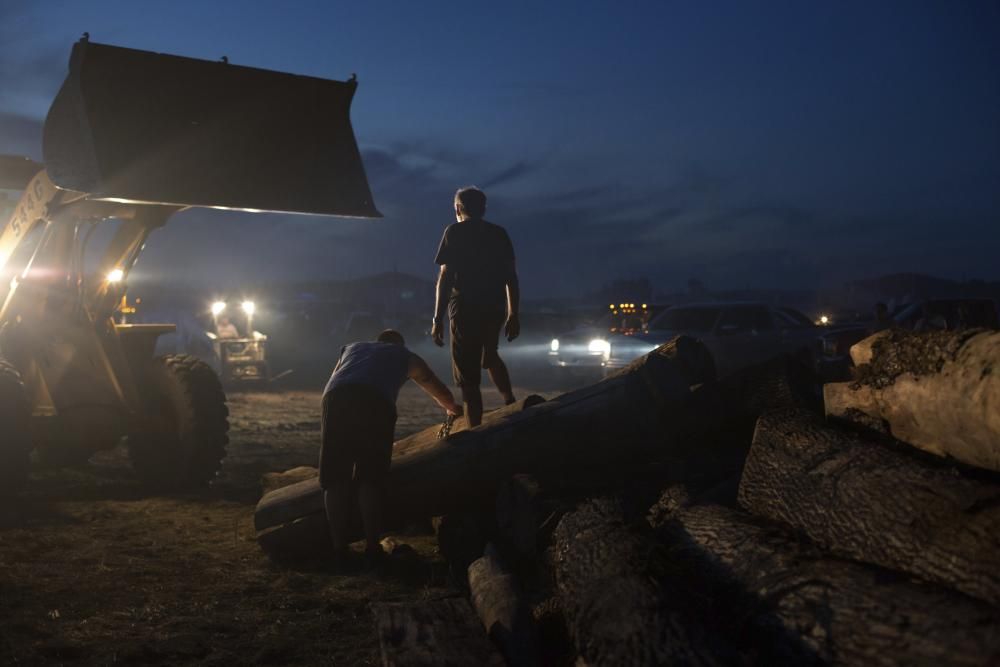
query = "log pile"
x=874 y=503
x=663 y=517
x=938 y=391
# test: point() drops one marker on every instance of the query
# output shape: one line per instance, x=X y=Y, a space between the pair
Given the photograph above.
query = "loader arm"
x=136 y=136
x=39 y=194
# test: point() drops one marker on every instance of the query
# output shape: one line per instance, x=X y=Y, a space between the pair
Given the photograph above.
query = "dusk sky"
x=761 y=144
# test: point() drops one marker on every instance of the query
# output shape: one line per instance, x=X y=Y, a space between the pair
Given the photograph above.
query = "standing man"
x=478 y=283
x=359 y=421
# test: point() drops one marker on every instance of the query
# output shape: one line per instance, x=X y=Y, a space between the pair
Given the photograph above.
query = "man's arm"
x=513 y=326
x=421 y=373
x=443 y=292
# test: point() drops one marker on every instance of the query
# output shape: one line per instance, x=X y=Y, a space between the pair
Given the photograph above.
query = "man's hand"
x=437 y=333
x=455 y=410
x=512 y=328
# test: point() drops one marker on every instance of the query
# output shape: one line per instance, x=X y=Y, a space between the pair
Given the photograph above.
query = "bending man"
x=359 y=421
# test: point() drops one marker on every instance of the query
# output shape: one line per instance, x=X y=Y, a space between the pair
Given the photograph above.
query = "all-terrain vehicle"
x=131 y=138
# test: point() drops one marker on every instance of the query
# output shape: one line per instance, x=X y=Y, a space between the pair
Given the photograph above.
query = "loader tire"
x=185 y=437
x=15 y=422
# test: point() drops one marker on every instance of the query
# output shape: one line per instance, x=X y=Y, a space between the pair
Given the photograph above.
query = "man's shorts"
x=357 y=434
x=475 y=336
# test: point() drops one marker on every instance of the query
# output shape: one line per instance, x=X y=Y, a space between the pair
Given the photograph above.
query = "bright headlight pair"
x=219 y=306
x=599 y=346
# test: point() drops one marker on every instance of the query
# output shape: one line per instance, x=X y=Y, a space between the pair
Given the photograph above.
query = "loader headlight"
x=248 y=307
x=218 y=307
x=554 y=345
x=599 y=346
x=115 y=275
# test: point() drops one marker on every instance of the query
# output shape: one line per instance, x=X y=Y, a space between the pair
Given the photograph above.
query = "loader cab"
x=240 y=350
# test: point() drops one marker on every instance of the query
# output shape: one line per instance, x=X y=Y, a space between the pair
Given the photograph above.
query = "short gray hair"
x=472 y=201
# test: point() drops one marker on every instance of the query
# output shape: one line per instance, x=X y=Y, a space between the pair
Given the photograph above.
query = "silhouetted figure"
x=357 y=431
x=226 y=329
x=478 y=284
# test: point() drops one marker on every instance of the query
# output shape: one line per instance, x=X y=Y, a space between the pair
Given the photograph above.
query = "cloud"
x=31 y=66
x=20 y=135
x=511 y=173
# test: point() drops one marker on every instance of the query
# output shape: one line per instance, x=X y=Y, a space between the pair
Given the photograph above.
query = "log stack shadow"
x=663 y=516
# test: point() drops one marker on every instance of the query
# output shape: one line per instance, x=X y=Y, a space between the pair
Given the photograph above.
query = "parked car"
x=737 y=335
x=833 y=360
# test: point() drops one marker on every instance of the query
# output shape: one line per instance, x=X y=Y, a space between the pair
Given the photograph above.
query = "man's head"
x=470 y=204
x=391 y=336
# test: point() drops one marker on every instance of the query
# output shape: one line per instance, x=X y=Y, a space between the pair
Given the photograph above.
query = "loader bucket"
x=151 y=128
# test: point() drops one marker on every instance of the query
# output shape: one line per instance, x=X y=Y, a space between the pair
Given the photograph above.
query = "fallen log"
x=671 y=500
x=871 y=503
x=863 y=351
x=497 y=598
x=607 y=575
x=629 y=417
x=439 y=632
x=272 y=481
x=845 y=613
x=517 y=513
x=286 y=514
x=938 y=391
x=462 y=538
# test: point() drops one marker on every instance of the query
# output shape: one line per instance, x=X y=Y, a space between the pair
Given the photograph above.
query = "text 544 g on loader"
x=131 y=138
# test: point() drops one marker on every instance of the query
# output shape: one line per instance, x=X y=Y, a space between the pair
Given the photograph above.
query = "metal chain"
x=446 y=427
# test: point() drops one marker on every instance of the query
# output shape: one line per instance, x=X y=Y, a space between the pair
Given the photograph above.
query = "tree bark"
x=874 y=504
x=845 y=613
x=938 y=391
x=607 y=575
x=639 y=413
x=439 y=632
x=497 y=598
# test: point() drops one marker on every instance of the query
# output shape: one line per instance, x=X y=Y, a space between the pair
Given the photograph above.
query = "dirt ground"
x=94 y=570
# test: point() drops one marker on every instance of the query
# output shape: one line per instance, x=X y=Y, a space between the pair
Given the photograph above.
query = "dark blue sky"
x=746 y=144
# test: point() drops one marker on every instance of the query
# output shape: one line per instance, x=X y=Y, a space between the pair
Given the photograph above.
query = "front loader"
x=131 y=138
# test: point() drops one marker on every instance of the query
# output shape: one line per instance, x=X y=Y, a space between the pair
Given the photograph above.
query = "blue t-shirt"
x=381 y=366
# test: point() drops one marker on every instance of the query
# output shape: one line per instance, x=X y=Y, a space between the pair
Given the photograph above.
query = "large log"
x=518 y=510
x=846 y=613
x=441 y=633
x=608 y=573
x=500 y=603
x=866 y=501
x=289 y=513
x=938 y=391
x=630 y=417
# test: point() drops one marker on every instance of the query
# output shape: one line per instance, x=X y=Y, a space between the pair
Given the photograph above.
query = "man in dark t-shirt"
x=478 y=283
x=356 y=433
